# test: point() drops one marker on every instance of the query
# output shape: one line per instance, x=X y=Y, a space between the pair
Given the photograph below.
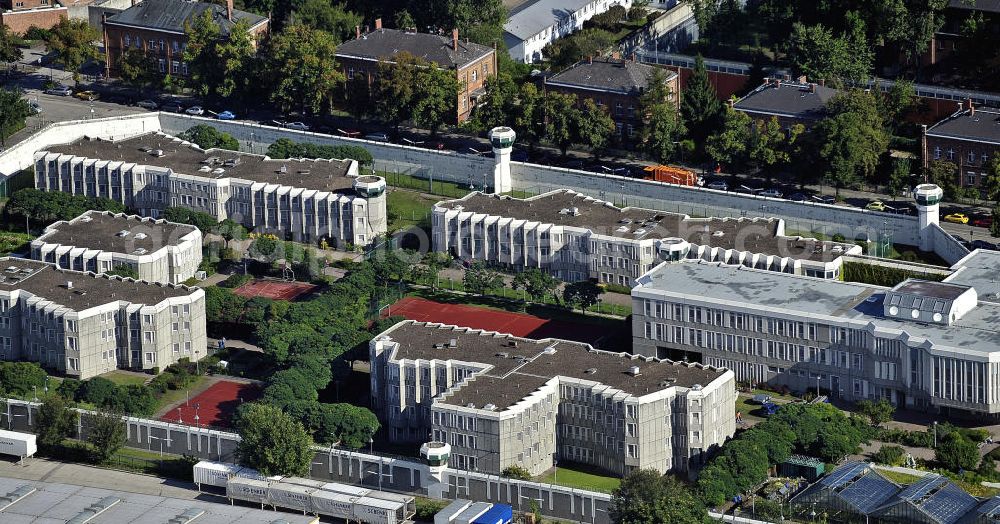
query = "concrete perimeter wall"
x=946 y=246
x=399 y=474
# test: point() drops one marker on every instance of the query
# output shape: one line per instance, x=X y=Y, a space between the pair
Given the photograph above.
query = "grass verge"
x=575 y=476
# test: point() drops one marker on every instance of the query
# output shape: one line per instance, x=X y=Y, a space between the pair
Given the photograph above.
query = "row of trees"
x=285 y=148
x=45 y=207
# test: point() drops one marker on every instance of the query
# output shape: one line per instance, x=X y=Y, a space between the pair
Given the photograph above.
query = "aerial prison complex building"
x=301 y=199
x=96 y=241
x=576 y=237
x=83 y=324
x=501 y=400
x=921 y=344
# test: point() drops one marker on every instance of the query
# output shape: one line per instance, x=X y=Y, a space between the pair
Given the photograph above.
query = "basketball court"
x=214 y=406
x=274 y=289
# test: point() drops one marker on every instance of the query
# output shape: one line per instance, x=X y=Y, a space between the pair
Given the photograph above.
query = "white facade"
x=540 y=22
x=175 y=260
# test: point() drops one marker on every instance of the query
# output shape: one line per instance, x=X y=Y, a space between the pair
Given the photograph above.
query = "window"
x=474 y=75
x=150 y=357
x=128 y=41
x=951 y=154
x=163 y=65
x=970 y=178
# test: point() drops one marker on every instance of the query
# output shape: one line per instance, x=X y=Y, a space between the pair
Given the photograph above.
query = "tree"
x=594 y=126
x=995 y=224
x=182 y=215
x=55 y=422
x=661 y=125
x=899 y=176
x=701 y=108
x=816 y=53
x=889 y=455
x=897 y=102
x=272 y=442
x=289 y=386
x=326 y=16
x=769 y=144
x=351 y=426
x=852 y=139
x=236 y=53
x=203 y=34
x=582 y=294
x=569 y=50
x=13 y=110
x=302 y=72
x=404 y=20
x=561 y=116
x=230 y=230
x=208 y=137
x=945 y=175
x=956 y=452
x=72 y=43
x=266 y=249
x=704 y=12
x=45 y=207
x=479 y=279
x=436 y=98
x=99 y=391
x=358 y=97
x=729 y=145
x=480 y=20
x=515 y=471
x=10 y=51
x=497 y=104
x=435 y=262
x=536 y=283
x=137 y=68
x=394 y=89
x=647 y=497
x=877 y=412
x=107 y=435
x=21 y=378
x=123 y=270
x=529 y=117
x=991 y=184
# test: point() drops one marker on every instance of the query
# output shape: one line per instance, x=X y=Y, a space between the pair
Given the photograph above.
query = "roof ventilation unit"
x=634 y=371
x=123 y=233
x=490 y=407
x=590 y=371
x=140 y=236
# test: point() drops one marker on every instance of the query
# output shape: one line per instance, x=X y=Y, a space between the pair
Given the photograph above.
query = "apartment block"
x=969 y=138
x=924 y=345
x=576 y=237
x=501 y=400
x=83 y=324
x=301 y=199
x=534 y=24
x=101 y=241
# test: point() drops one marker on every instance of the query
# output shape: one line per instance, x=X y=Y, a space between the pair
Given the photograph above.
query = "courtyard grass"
x=125 y=379
x=408 y=209
x=173 y=396
x=579 y=478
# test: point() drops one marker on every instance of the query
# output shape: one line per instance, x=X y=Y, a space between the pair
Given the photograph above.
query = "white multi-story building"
x=83 y=324
x=501 y=400
x=302 y=199
x=921 y=344
x=536 y=23
x=101 y=241
x=577 y=237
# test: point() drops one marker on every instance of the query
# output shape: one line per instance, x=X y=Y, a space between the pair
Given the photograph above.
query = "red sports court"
x=274 y=289
x=517 y=324
x=214 y=406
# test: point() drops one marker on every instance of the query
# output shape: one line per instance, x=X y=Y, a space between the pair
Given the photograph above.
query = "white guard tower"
x=927 y=196
x=502 y=139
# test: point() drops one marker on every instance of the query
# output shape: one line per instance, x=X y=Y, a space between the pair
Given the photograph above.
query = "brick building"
x=948 y=41
x=970 y=138
x=473 y=63
x=797 y=102
x=157 y=27
x=19 y=15
x=615 y=85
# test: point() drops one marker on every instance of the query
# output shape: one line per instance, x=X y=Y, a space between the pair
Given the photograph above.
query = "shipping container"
x=498 y=514
x=671 y=175
x=332 y=504
x=347 y=489
x=309 y=483
x=471 y=513
x=448 y=514
x=248 y=490
x=409 y=503
x=18 y=444
x=209 y=473
x=377 y=511
x=290 y=496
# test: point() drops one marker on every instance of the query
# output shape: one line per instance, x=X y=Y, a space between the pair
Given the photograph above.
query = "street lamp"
x=817 y=386
x=935 y=434
x=161 y=439
x=180 y=419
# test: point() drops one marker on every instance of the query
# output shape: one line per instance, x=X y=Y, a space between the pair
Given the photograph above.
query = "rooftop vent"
x=453 y=343
x=551 y=350
x=470 y=405
x=186 y=517
x=86 y=219
x=232 y=162
x=512 y=343
x=140 y=251
x=94 y=510
x=204 y=169
x=696 y=387
x=501 y=354
x=218 y=171
x=283 y=170
x=634 y=371
x=123 y=233
x=590 y=371
x=157 y=152
x=69 y=284
x=622 y=229
x=140 y=236
x=718 y=234
x=438 y=346
x=490 y=407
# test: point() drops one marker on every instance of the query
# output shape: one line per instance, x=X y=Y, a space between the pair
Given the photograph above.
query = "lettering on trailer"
x=375 y=511
x=252 y=490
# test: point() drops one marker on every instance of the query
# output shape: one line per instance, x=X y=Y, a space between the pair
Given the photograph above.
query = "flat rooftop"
x=517 y=370
x=189 y=159
x=981 y=270
x=45 y=281
x=53 y=502
x=978 y=331
x=753 y=235
x=103 y=231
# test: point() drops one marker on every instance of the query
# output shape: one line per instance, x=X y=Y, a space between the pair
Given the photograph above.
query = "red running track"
x=274 y=289
x=216 y=404
x=517 y=324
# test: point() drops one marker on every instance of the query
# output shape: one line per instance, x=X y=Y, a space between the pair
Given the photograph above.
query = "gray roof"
x=981 y=270
x=188 y=159
x=789 y=99
x=172 y=15
x=54 y=502
x=531 y=18
x=385 y=44
x=992 y=6
x=980 y=126
x=743 y=234
x=609 y=74
x=101 y=231
x=798 y=296
x=517 y=370
x=43 y=280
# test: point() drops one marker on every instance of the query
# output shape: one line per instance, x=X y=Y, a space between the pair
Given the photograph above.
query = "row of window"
x=970 y=157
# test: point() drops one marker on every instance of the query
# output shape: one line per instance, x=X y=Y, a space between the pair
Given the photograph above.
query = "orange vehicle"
x=671 y=175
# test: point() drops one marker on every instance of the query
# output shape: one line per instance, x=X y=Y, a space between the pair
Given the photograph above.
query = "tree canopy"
x=14 y=110
x=45 y=207
x=647 y=497
x=272 y=442
x=207 y=137
x=301 y=69
x=72 y=43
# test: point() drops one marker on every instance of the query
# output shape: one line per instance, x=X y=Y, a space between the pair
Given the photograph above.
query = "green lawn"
x=438 y=187
x=125 y=379
x=902 y=479
x=172 y=396
x=747 y=408
x=580 y=479
x=408 y=208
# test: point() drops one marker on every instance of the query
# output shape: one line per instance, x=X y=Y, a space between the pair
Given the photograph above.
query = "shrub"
x=516 y=472
x=889 y=455
x=21 y=378
x=208 y=137
x=235 y=280
x=427 y=508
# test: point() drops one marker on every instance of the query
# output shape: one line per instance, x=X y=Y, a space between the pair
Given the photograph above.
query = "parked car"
x=748 y=190
x=35 y=108
x=825 y=199
x=301 y=126
x=195 y=110
x=60 y=90
x=875 y=205
x=773 y=193
x=225 y=115
x=957 y=218
x=147 y=104
x=720 y=185
x=798 y=197
x=982 y=244
x=982 y=221
x=173 y=107
x=89 y=96
x=377 y=137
